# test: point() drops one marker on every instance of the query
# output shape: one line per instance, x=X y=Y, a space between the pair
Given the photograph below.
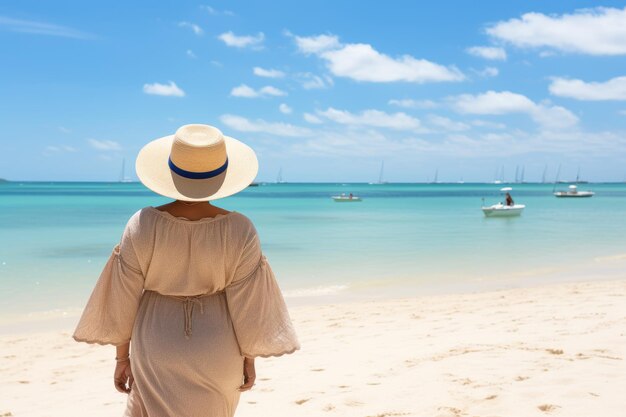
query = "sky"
x=323 y=91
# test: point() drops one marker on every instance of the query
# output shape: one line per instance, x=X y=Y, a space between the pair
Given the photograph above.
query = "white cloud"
x=493 y=102
x=311 y=118
x=413 y=104
x=316 y=44
x=60 y=148
x=487 y=124
x=361 y=62
x=622 y=112
x=214 y=12
x=506 y=102
x=374 y=118
x=447 y=124
x=285 y=109
x=41 y=28
x=246 y=91
x=171 y=89
x=104 y=145
x=595 y=31
x=195 y=28
x=613 y=89
x=190 y=54
x=268 y=73
x=230 y=39
x=488 y=52
x=271 y=91
x=488 y=72
x=311 y=81
x=64 y=129
x=261 y=126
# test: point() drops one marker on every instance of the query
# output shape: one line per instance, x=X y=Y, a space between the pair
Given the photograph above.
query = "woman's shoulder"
x=149 y=215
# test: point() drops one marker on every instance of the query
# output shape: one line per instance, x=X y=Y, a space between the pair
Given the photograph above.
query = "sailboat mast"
x=123 y=173
x=380 y=175
x=543 y=177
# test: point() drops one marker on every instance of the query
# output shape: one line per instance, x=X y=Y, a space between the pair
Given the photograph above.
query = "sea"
x=400 y=240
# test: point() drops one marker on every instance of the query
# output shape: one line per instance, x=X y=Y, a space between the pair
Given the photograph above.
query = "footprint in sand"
x=491 y=397
x=23 y=382
x=521 y=378
x=555 y=351
x=317 y=369
x=449 y=412
x=302 y=401
x=329 y=407
x=547 y=408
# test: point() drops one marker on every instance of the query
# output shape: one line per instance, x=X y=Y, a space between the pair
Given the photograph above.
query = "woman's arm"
x=249 y=374
x=123 y=376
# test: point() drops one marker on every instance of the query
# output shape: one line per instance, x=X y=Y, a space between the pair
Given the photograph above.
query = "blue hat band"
x=197 y=175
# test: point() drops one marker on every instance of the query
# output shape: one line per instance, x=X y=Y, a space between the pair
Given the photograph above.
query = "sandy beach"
x=549 y=350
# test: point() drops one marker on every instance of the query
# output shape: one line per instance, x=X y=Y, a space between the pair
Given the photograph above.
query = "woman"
x=187 y=291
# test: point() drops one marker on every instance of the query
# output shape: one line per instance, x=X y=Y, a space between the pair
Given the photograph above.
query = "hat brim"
x=154 y=172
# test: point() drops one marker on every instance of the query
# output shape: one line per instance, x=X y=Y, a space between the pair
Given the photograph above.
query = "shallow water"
x=55 y=237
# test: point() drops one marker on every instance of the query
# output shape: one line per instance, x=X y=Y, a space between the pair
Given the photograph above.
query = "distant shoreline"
x=2 y=180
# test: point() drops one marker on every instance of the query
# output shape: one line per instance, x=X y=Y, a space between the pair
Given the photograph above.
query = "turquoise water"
x=55 y=237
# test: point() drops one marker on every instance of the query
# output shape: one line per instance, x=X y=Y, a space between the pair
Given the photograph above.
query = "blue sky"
x=324 y=90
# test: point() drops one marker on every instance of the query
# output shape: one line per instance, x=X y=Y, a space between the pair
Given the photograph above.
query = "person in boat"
x=509 y=200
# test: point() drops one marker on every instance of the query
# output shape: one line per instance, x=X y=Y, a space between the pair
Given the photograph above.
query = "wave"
x=314 y=291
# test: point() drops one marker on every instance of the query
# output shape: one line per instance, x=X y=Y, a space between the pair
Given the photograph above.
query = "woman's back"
x=188 y=257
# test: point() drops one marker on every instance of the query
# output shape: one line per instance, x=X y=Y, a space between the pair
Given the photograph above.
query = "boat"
x=380 y=175
x=123 y=177
x=503 y=210
x=343 y=198
x=574 y=193
x=279 y=177
x=436 y=177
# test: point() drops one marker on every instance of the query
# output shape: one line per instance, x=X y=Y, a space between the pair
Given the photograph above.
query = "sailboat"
x=380 y=175
x=279 y=177
x=578 y=180
x=543 y=177
x=436 y=179
x=123 y=177
x=501 y=179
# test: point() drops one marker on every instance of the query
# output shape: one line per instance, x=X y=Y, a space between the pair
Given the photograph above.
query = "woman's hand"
x=123 y=377
x=249 y=374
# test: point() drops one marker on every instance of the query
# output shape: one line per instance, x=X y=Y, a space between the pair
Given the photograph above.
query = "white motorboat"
x=574 y=192
x=502 y=210
x=347 y=198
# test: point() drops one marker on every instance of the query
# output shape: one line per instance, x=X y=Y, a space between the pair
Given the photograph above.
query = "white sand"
x=553 y=350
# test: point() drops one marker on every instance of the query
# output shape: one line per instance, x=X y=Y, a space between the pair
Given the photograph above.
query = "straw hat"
x=197 y=163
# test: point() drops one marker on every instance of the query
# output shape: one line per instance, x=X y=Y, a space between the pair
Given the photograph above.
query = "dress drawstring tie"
x=188 y=305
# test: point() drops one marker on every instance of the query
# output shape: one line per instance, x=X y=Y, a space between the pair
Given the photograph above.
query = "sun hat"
x=197 y=163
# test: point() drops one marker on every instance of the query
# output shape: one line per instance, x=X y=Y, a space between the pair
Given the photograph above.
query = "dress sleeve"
x=109 y=315
x=257 y=308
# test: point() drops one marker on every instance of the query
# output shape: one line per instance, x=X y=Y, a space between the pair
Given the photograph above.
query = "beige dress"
x=194 y=297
